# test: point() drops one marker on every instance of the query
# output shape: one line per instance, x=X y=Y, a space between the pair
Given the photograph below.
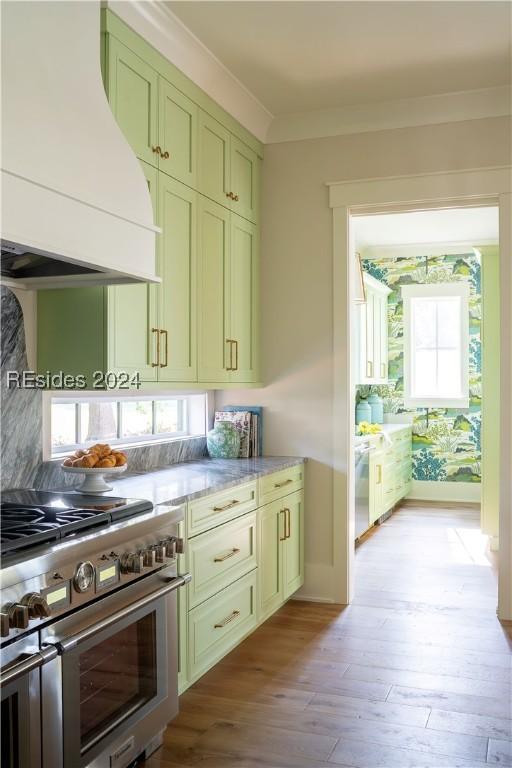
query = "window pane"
x=137 y=418
x=448 y=317
x=424 y=323
x=168 y=416
x=98 y=421
x=449 y=378
x=424 y=373
x=63 y=424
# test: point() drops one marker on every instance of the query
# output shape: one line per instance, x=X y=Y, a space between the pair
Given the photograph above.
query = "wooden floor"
x=416 y=672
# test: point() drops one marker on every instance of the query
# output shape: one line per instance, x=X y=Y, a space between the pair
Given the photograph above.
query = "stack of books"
x=248 y=420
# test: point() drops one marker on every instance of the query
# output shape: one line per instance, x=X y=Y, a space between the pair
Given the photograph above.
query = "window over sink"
x=73 y=422
x=436 y=345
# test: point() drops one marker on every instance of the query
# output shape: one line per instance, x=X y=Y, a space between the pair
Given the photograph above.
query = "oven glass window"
x=10 y=740
x=117 y=677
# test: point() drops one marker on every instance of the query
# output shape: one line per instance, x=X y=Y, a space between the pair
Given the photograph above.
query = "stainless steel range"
x=88 y=628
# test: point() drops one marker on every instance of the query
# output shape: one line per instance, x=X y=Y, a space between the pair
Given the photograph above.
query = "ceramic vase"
x=377 y=407
x=363 y=411
x=223 y=441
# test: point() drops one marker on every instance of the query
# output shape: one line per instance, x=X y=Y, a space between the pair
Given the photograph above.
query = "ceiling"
x=457 y=225
x=303 y=56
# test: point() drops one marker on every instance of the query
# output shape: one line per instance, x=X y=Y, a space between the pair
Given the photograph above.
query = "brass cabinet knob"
x=235 y=198
x=230 y=195
x=157 y=150
x=165 y=155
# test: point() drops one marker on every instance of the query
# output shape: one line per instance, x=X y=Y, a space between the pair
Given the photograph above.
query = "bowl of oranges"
x=95 y=463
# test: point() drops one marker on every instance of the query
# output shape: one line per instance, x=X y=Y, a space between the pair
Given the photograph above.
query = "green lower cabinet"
x=376 y=496
x=220 y=623
x=281 y=547
x=390 y=473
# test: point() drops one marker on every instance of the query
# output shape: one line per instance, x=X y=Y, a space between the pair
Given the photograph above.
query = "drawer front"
x=210 y=511
x=220 y=557
x=217 y=625
x=279 y=484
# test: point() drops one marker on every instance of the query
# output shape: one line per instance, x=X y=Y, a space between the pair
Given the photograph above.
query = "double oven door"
x=20 y=689
x=112 y=688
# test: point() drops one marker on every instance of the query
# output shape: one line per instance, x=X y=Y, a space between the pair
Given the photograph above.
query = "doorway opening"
x=425 y=372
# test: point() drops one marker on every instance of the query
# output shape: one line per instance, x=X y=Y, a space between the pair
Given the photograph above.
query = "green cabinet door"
x=213 y=291
x=270 y=548
x=376 y=489
x=177 y=133
x=214 y=175
x=245 y=183
x=133 y=98
x=293 y=545
x=177 y=264
x=132 y=317
x=244 y=299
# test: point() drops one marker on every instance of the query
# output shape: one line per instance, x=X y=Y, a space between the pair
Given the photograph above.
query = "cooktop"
x=30 y=517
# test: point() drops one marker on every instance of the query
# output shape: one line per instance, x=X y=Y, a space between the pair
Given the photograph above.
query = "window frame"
x=195 y=424
x=461 y=290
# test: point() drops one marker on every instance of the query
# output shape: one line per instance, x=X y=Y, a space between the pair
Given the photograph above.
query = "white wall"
x=297 y=289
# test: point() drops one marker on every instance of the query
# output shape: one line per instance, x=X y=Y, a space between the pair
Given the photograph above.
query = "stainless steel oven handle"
x=27 y=665
x=73 y=640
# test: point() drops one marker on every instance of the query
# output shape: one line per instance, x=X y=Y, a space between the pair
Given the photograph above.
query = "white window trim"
x=432 y=290
x=198 y=421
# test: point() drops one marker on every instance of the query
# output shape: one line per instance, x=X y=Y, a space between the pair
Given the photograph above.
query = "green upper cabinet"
x=133 y=97
x=214 y=160
x=213 y=292
x=245 y=181
x=177 y=264
x=243 y=300
x=177 y=134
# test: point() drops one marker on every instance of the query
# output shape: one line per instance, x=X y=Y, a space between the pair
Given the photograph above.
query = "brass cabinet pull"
x=285 y=482
x=225 y=621
x=157 y=150
x=230 y=504
x=369 y=369
x=379 y=474
x=230 y=195
x=230 y=342
x=235 y=198
x=229 y=554
x=235 y=342
x=157 y=364
x=287 y=523
x=282 y=512
x=165 y=155
x=164 y=333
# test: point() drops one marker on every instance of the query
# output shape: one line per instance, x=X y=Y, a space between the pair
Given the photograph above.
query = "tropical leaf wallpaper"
x=446 y=441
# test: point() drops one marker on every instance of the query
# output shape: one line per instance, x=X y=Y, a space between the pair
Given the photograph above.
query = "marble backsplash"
x=22 y=463
x=21 y=409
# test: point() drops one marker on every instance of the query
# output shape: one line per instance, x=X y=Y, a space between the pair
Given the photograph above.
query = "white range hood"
x=76 y=209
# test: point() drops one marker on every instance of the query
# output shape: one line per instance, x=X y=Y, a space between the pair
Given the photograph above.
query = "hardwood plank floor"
x=416 y=672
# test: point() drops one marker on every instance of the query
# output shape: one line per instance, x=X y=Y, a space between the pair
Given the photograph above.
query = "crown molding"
x=164 y=31
x=404 y=113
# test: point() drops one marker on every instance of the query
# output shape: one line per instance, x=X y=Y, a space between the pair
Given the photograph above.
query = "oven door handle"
x=73 y=640
x=34 y=661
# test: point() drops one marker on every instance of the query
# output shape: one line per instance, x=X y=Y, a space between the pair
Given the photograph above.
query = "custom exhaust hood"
x=76 y=208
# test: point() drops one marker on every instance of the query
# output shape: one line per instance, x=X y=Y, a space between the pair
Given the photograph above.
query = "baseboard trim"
x=312 y=599
x=425 y=490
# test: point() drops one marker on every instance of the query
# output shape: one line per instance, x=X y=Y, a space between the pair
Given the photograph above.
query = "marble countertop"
x=191 y=479
x=386 y=428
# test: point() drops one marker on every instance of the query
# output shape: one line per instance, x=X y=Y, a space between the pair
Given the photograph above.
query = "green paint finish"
x=133 y=98
x=270 y=533
x=177 y=264
x=245 y=180
x=244 y=298
x=214 y=160
x=446 y=441
x=177 y=133
x=117 y=28
x=70 y=331
x=491 y=421
x=213 y=291
x=293 y=545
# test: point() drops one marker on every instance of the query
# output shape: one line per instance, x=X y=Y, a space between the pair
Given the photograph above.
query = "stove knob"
x=160 y=553
x=37 y=606
x=176 y=544
x=149 y=558
x=180 y=545
x=170 y=547
x=18 y=615
x=131 y=563
x=4 y=624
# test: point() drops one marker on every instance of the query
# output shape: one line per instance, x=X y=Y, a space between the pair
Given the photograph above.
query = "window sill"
x=461 y=403
x=128 y=445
